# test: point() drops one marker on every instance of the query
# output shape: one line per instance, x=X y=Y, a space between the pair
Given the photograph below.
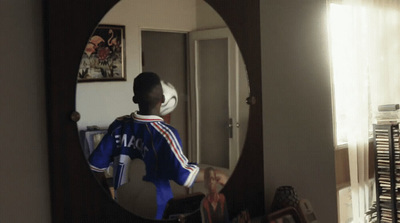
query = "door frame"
x=233 y=88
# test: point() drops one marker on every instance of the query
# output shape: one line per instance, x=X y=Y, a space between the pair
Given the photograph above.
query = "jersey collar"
x=146 y=118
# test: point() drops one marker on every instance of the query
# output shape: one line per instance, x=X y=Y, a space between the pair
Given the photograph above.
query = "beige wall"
x=99 y=103
x=297 y=112
x=24 y=187
x=297 y=108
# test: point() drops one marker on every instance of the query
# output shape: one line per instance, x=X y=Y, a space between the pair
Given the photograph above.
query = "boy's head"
x=210 y=179
x=147 y=90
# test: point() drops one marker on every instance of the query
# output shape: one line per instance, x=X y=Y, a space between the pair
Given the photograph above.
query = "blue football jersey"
x=149 y=138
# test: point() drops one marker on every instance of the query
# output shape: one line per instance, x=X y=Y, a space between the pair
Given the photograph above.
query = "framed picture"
x=104 y=56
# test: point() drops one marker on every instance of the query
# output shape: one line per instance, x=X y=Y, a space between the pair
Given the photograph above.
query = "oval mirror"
x=192 y=50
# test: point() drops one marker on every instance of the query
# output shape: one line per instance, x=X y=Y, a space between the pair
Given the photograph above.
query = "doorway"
x=218 y=90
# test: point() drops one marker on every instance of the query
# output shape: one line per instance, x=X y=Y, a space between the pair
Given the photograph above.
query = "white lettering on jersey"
x=117 y=141
x=133 y=143
x=124 y=140
x=141 y=147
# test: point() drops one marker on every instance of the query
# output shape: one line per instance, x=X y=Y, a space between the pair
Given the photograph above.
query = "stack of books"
x=388 y=171
x=388 y=114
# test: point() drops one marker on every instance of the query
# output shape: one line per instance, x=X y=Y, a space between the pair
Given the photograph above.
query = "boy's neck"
x=147 y=111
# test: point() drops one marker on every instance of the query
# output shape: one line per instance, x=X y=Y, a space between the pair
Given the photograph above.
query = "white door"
x=214 y=107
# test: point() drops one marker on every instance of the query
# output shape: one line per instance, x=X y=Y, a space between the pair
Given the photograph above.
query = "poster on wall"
x=104 y=56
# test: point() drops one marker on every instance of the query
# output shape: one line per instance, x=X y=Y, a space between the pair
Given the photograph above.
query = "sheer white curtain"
x=365 y=53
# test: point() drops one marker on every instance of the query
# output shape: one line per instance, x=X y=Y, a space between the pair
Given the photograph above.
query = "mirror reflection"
x=191 y=50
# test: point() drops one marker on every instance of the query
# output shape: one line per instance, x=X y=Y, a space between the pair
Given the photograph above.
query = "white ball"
x=171 y=98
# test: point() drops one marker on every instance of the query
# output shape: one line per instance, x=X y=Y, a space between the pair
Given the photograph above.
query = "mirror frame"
x=75 y=194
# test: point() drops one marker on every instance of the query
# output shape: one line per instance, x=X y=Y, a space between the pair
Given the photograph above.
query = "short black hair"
x=143 y=85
